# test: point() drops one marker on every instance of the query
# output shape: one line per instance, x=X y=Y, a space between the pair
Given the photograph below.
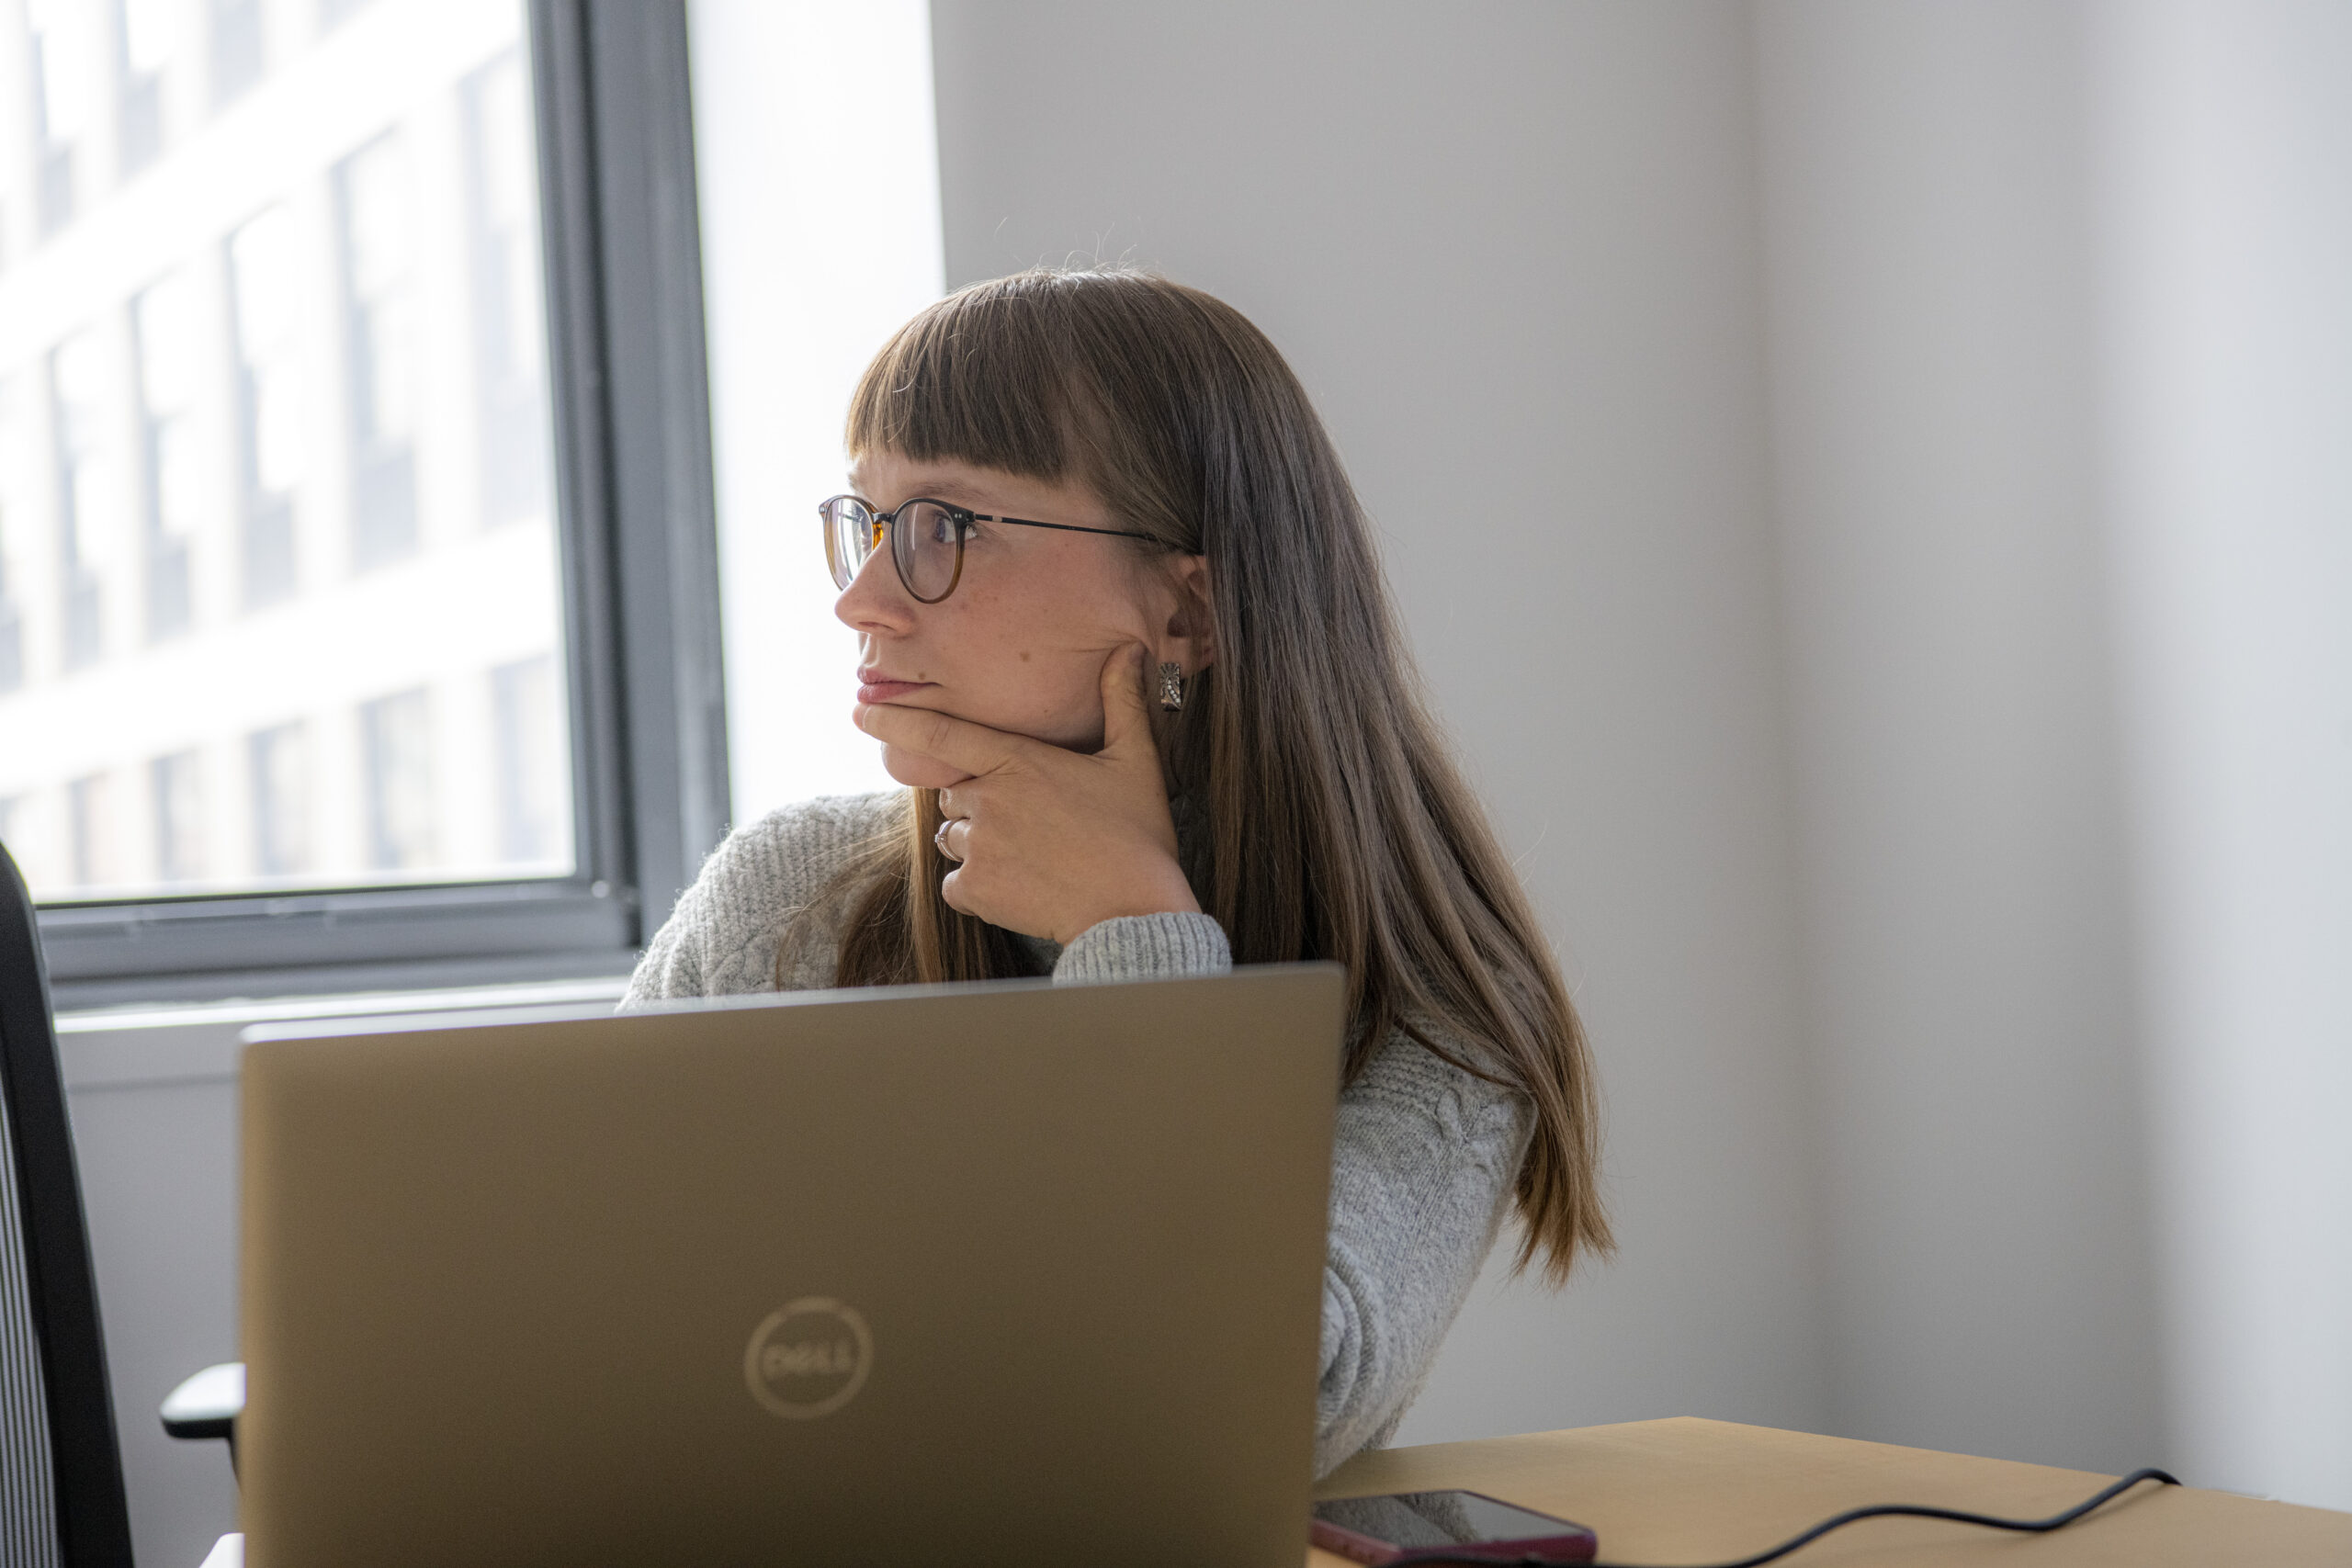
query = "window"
x=13 y=511
x=89 y=808
x=530 y=747
x=235 y=42
x=179 y=818
x=356 y=581
x=375 y=222
x=502 y=213
x=58 y=49
x=268 y=407
x=396 y=733
x=145 y=31
x=332 y=13
x=86 y=491
x=164 y=323
x=278 y=766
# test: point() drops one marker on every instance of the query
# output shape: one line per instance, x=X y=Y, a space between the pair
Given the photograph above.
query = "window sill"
x=144 y=1046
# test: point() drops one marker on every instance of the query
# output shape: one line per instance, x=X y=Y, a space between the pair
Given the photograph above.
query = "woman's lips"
x=870 y=691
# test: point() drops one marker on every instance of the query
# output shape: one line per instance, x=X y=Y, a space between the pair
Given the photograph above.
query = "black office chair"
x=61 y=1502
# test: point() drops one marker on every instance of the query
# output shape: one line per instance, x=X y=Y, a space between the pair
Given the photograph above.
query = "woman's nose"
x=874 y=599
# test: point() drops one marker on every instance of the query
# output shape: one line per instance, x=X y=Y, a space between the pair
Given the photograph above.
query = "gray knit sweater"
x=1425 y=1155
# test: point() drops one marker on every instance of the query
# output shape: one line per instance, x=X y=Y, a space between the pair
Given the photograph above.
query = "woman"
x=1122 y=634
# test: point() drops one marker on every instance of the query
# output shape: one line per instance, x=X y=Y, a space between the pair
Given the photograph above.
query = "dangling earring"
x=1171 y=687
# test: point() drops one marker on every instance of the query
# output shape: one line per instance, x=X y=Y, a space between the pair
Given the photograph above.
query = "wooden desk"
x=1691 y=1490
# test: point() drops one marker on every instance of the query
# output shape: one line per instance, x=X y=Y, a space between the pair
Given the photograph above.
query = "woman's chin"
x=918 y=771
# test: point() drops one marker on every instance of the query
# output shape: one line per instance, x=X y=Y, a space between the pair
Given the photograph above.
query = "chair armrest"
x=208 y=1404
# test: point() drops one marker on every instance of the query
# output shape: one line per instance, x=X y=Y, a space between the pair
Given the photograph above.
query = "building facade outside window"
x=304 y=622
x=355 y=540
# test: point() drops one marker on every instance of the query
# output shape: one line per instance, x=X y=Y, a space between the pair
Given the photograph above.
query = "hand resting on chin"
x=1048 y=841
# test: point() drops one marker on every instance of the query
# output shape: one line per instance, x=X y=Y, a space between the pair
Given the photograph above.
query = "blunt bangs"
x=978 y=378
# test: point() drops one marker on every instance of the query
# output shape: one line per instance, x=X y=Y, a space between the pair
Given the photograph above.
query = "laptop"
x=994 y=1272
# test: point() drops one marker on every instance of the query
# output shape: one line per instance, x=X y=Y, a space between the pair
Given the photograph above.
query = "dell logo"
x=813 y=1359
x=809 y=1357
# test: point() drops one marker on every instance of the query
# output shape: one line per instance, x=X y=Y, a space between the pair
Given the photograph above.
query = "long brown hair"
x=1326 y=819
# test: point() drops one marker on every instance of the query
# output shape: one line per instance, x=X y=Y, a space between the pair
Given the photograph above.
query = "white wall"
x=2225 y=140
x=1511 y=250
x=1987 y=1281
x=2060 y=332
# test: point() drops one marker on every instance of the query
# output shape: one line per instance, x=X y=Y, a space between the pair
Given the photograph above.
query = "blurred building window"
x=90 y=826
x=234 y=29
x=527 y=735
x=12 y=622
x=12 y=513
x=279 y=761
x=334 y=13
x=147 y=32
x=166 y=328
x=179 y=816
x=59 y=52
x=503 y=207
x=372 y=203
x=268 y=412
x=397 y=737
x=86 y=491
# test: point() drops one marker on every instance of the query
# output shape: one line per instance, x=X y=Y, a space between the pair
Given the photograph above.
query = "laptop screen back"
x=850 y=1277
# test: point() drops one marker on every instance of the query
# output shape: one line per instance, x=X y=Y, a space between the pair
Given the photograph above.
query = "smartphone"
x=1379 y=1530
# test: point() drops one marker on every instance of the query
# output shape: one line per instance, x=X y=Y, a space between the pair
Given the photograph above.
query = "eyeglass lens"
x=925 y=545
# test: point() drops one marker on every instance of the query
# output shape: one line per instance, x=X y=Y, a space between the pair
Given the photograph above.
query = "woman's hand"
x=1050 y=842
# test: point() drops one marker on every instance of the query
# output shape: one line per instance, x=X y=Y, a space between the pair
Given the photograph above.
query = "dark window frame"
x=630 y=397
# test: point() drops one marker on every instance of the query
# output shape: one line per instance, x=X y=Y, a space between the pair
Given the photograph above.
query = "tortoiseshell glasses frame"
x=926 y=540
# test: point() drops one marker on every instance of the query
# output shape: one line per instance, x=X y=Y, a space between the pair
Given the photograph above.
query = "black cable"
x=1879 y=1511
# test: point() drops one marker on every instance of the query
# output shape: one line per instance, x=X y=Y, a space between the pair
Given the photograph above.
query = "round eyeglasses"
x=926 y=540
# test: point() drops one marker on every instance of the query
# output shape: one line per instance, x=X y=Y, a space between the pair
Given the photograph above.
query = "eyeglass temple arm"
x=1061 y=528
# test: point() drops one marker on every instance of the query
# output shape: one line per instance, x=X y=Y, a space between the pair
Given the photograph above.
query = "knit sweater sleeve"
x=721 y=937
x=1423 y=1160
x=1423 y=1166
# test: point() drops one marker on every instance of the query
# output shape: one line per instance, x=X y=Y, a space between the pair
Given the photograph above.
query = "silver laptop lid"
x=997 y=1271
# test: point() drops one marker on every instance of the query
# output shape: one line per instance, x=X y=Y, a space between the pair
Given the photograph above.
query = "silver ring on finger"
x=939 y=839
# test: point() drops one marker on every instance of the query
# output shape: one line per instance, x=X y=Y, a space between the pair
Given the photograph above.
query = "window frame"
x=628 y=394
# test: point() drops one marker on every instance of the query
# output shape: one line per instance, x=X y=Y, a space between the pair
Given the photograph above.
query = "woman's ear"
x=1191 y=632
